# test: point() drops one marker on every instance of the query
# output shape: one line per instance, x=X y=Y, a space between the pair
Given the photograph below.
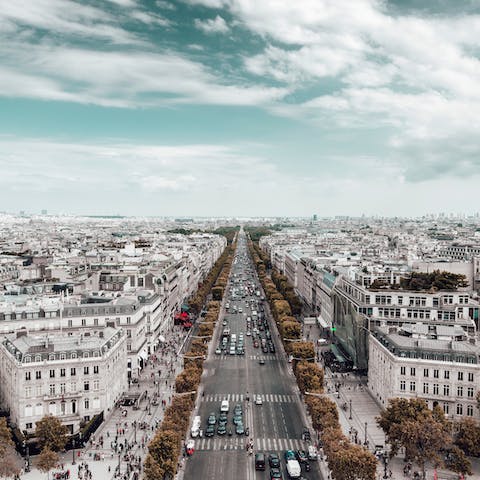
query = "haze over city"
x=233 y=107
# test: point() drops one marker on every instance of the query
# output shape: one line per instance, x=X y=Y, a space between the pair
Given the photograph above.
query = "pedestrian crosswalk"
x=262 y=357
x=240 y=397
x=262 y=444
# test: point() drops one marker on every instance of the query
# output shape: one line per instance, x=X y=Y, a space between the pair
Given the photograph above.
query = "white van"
x=312 y=453
x=293 y=469
x=195 y=430
x=224 y=407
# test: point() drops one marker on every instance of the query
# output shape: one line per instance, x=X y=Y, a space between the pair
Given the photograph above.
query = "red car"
x=255 y=344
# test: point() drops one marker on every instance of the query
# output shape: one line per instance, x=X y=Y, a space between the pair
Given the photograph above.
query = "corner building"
x=73 y=377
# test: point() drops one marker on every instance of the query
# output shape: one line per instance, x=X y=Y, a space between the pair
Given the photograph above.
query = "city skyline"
x=229 y=108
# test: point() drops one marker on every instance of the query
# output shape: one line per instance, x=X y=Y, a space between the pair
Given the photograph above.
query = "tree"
x=467 y=436
x=289 y=328
x=217 y=293
x=47 y=460
x=457 y=461
x=188 y=380
x=8 y=466
x=5 y=437
x=309 y=377
x=303 y=351
x=51 y=433
x=163 y=452
x=324 y=413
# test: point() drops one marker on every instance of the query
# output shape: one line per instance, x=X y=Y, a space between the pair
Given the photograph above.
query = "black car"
x=273 y=460
x=302 y=456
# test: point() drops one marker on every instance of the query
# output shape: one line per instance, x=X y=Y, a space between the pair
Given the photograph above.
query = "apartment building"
x=73 y=376
x=436 y=363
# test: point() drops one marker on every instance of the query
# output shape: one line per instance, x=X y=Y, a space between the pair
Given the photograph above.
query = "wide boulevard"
x=275 y=425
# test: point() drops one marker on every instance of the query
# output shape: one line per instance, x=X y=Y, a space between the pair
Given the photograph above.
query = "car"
x=222 y=428
x=240 y=429
x=224 y=323
x=240 y=310
x=275 y=473
x=302 y=456
x=271 y=348
x=223 y=418
x=237 y=410
x=306 y=434
x=289 y=455
x=258 y=400
x=273 y=460
x=248 y=333
x=262 y=361
x=264 y=349
x=237 y=419
x=218 y=351
x=255 y=344
x=210 y=431
x=212 y=419
x=225 y=406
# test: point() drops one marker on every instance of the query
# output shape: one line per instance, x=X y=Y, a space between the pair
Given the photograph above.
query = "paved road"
x=274 y=426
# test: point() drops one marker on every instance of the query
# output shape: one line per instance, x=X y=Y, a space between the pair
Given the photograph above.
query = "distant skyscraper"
x=44 y=212
x=314 y=217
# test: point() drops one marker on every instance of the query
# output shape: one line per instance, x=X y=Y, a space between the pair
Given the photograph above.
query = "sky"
x=240 y=107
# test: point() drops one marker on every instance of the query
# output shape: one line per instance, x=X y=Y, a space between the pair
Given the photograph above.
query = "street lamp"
x=73 y=451
x=366 y=442
x=350 y=403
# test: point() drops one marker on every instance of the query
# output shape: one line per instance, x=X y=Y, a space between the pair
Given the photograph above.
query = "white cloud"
x=120 y=79
x=212 y=25
x=149 y=18
x=165 y=5
x=65 y=17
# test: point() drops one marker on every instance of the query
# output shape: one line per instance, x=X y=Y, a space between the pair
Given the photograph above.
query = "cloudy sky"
x=240 y=107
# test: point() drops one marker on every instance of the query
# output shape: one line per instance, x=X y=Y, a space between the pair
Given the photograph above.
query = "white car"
x=258 y=400
x=218 y=351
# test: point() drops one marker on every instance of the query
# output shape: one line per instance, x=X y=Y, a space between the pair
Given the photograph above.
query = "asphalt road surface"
x=274 y=426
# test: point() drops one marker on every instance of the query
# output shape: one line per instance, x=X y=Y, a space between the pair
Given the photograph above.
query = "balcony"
x=62 y=396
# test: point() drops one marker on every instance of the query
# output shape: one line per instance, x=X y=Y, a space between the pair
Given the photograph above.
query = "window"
x=85 y=370
x=96 y=384
x=52 y=373
x=38 y=374
x=28 y=376
x=412 y=386
x=84 y=322
x=62 y=372
x=38 y=391
x=74 y=354
x=470 y=377
x=70 y=322
x=85 y=354
x=460 y=391
x=95 y=369
x=425 y=372
x=28 y=392
x=95 y=322
x=86 y=386
x=446 y=374
x=459 y=409
x=446 y=390
x=63 y=356
x=470 y=410
x=412 y=372
x=470 y=392
x=446 y=408
x=129 y=333
x=73 y=387
x=436 y=373
x=28 y=426
x=425 y=388
x=52 y=389
x=435 y=388
x=460 y=376
x=63 y=388
x=402 y=370
x=129 y=320
x=87 y=404
x=402 y=385
x=73 y=372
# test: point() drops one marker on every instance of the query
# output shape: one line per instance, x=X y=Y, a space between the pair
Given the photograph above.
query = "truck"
x=293 y=469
